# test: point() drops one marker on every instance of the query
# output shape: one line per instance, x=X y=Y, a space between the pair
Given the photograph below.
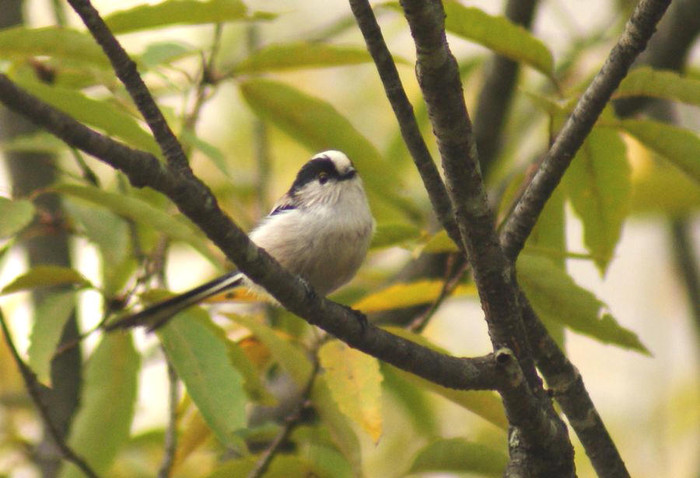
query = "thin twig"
x=166 y=465
x=33 y=388
x=632 y=42
x=403 y=110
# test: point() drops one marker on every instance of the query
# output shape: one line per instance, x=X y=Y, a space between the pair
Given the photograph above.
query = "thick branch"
x=637 y=32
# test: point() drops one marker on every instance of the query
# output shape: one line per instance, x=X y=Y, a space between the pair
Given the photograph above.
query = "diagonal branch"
x=126 y=71
x=638 y=30
x=403 y=110
x=32 y=385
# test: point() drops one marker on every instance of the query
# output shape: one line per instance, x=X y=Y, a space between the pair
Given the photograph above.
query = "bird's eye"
x=323 y=178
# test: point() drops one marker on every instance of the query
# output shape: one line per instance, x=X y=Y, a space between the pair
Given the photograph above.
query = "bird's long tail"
x=159 y=313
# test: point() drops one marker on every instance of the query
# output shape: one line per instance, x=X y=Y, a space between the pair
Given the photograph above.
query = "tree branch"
x=403 y=110
x=438 y=77
x=126 y=71
x=637 y=32
x=33 y=387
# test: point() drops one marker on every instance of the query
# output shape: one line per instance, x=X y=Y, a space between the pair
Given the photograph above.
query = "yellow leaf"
x=409 y=294
x=355 y=381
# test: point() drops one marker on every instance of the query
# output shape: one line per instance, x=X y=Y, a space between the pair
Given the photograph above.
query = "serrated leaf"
x=102 y=424
x=49 y=320
x=558 y=299
x=404 y=294
x=391 y=234
x=318 y=126
x=499 y=35
x=200 y=355
x=291 y=56
x=46 y=276
x=355 y=381
x=669 y=85
x=458 y=455
x=143 y=213
x=598 y=184
x=100 y=114
x=336 y=422
x=679 y=146
x=289 y=356
x=177 y=12
x=57 y=42
x=16 y=215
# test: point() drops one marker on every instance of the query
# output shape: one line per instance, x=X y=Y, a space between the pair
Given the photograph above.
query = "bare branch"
x=638 y=30
x=33 y=388
x=403 y=110
x=125 y=69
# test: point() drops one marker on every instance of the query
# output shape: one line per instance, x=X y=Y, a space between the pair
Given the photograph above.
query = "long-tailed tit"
x=320 y=229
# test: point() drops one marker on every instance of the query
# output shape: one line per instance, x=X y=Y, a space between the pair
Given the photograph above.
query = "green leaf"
x=485 y=404
x=458 y=455
x=499 y=35
x=392 y=234
x=252 y=383
x=142 y=212
x=199 y=352
x=351 y=374
x=177 y=12
x=165 y=52
x=669 y=85
x=292 y=56
x=289 y=356
x=20 y=43
x=46 y=276
x=404 y=294
x=598 y=184
x=16 y=215
x=558 y=299
x=418 y=408
x=342 y=434
x=49 y=320
x=660 y=188
x=318 y=126
x=440 y=243
x=679 y=146
x=282 y=466
x=102 y=424
x=100 y=114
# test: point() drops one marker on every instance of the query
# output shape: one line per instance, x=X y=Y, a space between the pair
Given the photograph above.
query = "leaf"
x=458 y=455
x=558 y=299
x=176 y=12
x=391 y=234
x=440 y=243
x=336 y=422
x=46 y=276
x=289 y=356
x=318 y=126
x=16 y=215
x=49 y=320
x=100 y=114
x=165 y=52
x=598 y=184
x=351 y=374
x=679 y=146
x=199 y=352
x=102 y=424
x=485 y=404
x=404 y=294
x=20 y=43
x=418 y=408
x=142 y=212
x=499 y=35
x=669 y=85
x=282 y=466
x=293 y=56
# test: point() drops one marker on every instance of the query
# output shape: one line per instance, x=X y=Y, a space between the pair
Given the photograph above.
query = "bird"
x=320 y=229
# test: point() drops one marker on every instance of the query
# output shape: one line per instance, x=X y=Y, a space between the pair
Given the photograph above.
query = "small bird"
x=320 y=229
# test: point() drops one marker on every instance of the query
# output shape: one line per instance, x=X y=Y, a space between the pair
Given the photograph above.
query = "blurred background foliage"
x=253 y=90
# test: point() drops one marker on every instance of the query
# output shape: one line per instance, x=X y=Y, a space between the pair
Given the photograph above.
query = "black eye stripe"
x=311 y=171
